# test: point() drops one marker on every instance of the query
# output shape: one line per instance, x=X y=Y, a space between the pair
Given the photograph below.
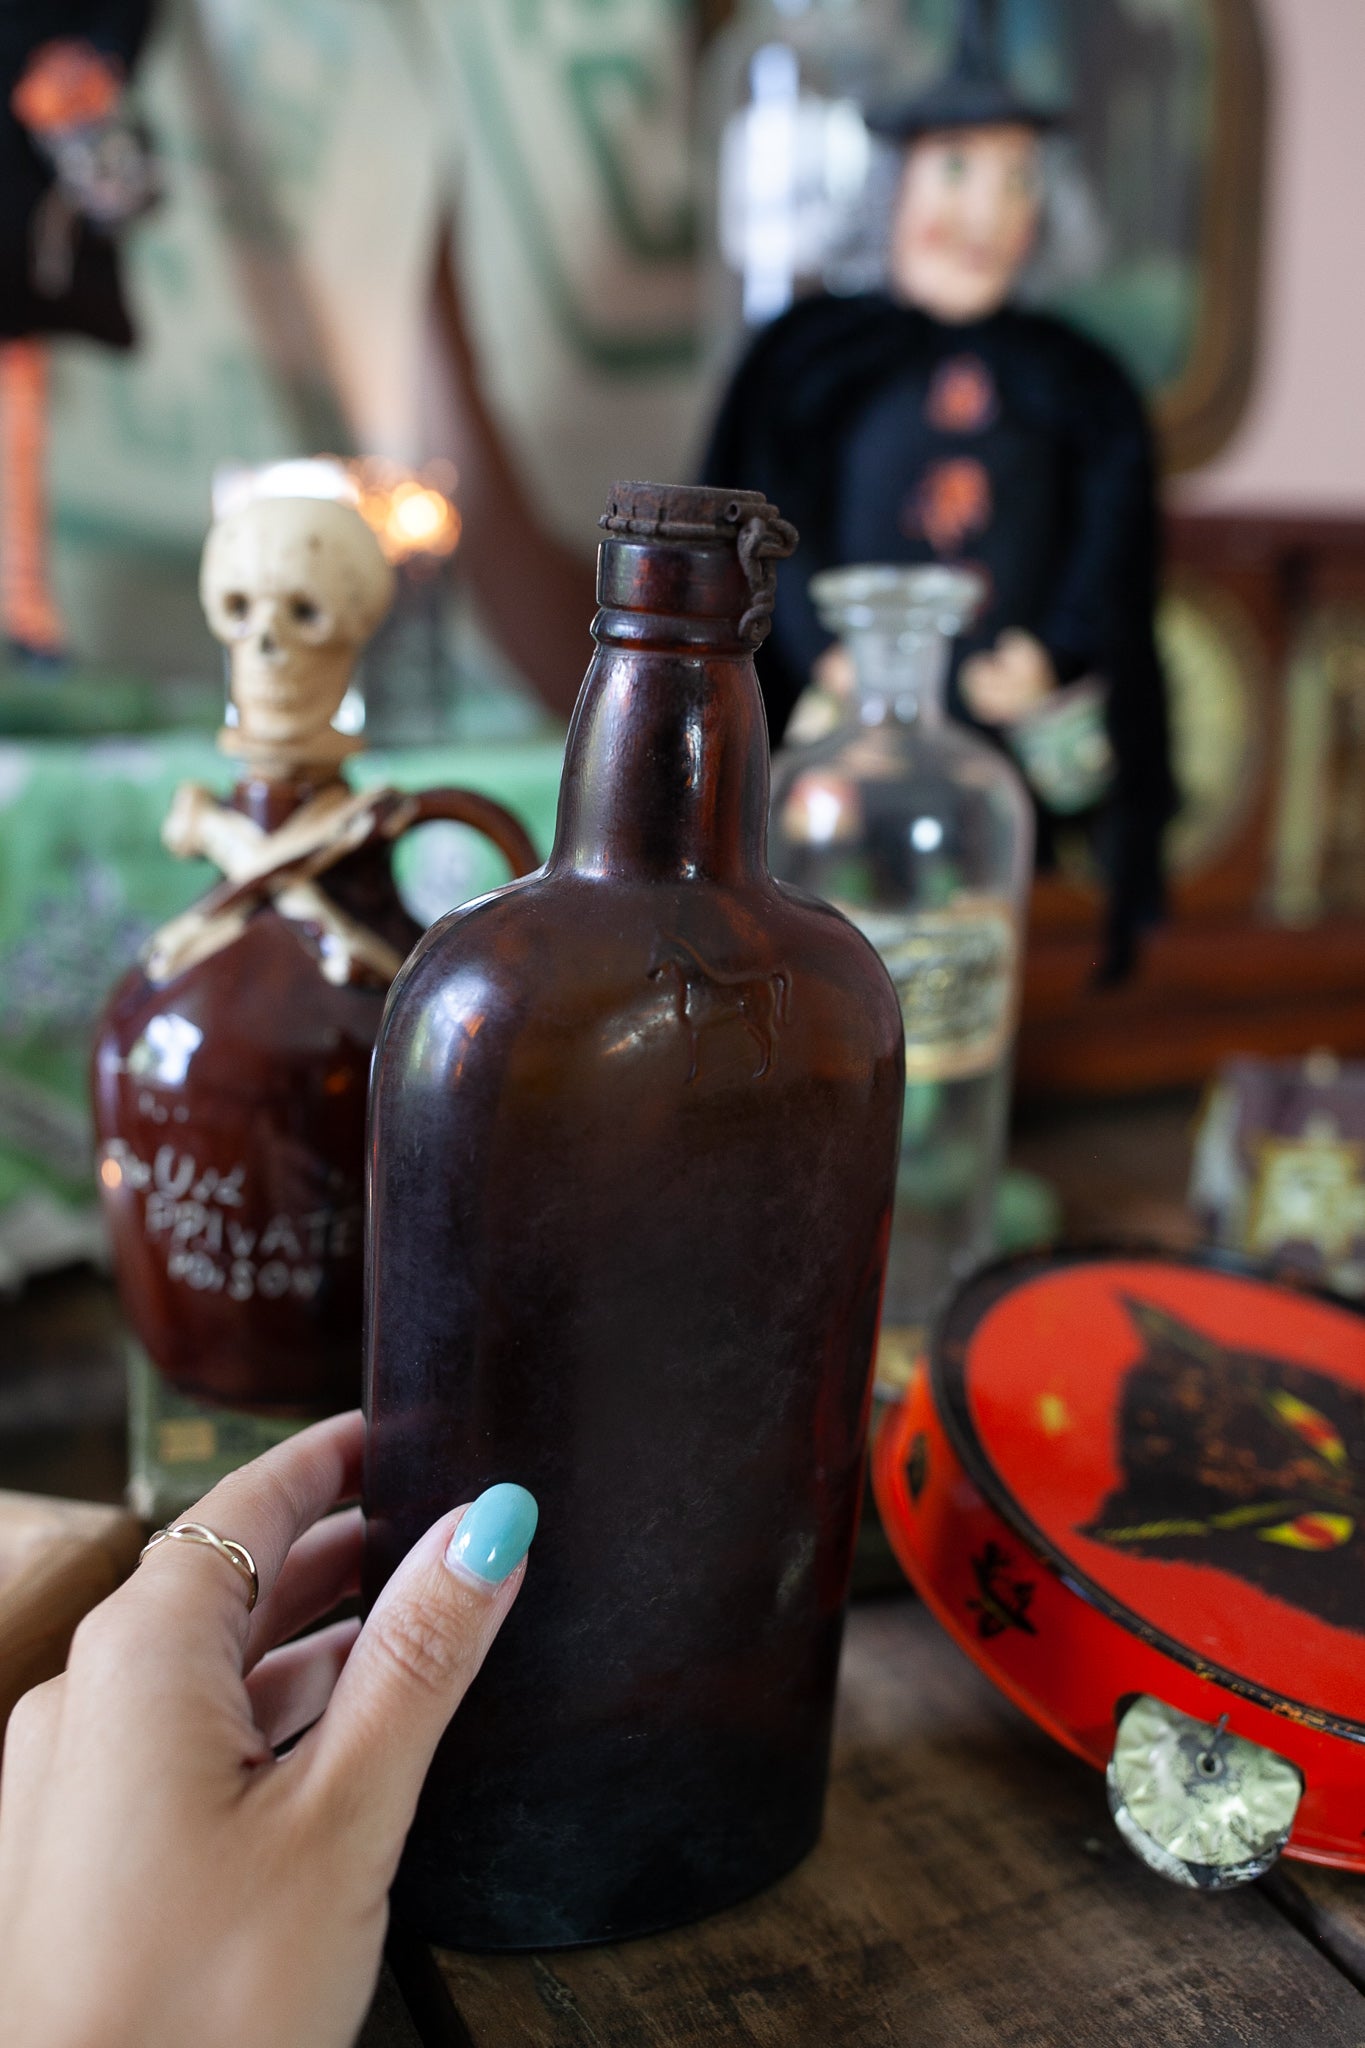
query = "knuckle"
x=90 y=1644
x=31 y=1716
x=418 y=1639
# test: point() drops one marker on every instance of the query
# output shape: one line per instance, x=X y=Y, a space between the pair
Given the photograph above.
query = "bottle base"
x=552 y=1928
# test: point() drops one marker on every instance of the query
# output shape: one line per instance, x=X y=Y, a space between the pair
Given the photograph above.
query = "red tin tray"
x=1125 y=1474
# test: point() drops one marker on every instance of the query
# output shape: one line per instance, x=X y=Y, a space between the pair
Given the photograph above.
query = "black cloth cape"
x=93 y=304
x=830 y=414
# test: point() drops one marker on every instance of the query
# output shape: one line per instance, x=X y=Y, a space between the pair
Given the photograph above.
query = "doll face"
x=966 y=219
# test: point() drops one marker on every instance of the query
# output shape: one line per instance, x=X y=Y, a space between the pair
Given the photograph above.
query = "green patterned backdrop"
x=315 y=151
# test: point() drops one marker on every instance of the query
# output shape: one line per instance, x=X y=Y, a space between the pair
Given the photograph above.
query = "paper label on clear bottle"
x=954 y=971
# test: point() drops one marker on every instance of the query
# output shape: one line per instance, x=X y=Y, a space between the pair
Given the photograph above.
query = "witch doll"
x=941 y=421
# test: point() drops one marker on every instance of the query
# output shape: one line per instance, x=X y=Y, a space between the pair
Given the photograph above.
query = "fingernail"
x=495 y=1534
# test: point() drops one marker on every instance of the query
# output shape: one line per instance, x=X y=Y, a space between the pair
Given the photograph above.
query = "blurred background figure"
x=942 y=422
x=792 y=184
x=73 y=170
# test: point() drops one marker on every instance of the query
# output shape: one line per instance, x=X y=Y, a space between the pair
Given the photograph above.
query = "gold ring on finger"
x=237 y=1554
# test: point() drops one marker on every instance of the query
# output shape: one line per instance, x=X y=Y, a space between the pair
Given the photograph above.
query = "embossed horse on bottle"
x=702 y=997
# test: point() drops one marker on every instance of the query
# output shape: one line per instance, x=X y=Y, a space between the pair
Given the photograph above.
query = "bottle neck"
x=901 y=674
x=666 y=768
x=269 y=800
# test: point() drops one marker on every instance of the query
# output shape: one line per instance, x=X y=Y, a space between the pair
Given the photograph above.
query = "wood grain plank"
x=58 y=1558
x=969 y=1890
x=1326 y=1905
x=388 y=2024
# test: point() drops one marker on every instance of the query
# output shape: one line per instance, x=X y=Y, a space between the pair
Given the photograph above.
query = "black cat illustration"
x=1244 y=1461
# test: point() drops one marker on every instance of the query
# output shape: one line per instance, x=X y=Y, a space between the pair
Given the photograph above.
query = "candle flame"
x=411 y=512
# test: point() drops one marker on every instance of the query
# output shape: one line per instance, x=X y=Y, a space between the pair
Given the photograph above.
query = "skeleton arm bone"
x=332 y=825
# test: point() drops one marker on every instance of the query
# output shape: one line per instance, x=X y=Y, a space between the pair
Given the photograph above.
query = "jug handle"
x=467 y=807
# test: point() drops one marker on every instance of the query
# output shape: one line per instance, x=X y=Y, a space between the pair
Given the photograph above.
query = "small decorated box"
x=1129 y=1486
x=1279 y=1166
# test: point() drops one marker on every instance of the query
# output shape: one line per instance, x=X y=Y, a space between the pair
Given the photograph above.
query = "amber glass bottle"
x=633 y=1134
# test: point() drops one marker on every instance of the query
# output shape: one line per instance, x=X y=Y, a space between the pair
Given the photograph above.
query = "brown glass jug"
x=231 y=1063
x=634 y=1124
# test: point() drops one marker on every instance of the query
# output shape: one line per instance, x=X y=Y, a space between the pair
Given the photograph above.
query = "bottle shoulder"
x=948 y=796
x=558 y=919
x=897 y=749
x=261 y=999
x=546 y=963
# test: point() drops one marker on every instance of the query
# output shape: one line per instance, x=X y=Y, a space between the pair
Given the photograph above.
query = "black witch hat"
x=974 y=92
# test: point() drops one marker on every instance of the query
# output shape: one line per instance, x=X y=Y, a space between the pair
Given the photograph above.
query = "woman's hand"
x=165 y=1881
x=1009 y=680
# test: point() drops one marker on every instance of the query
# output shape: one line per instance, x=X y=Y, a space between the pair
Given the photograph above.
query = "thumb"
x=417 y=1655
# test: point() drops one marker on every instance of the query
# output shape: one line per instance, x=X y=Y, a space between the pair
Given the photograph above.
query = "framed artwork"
x=1262 y=629
x=1318 y=865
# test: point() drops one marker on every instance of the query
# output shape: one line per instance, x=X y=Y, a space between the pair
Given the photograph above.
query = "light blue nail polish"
x=495 y=1534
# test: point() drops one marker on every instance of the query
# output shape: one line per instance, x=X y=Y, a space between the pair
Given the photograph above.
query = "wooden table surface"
x=970 y=1889
x=57 y=1559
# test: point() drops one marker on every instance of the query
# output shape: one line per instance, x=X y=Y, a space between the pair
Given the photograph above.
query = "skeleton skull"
x=293 y=587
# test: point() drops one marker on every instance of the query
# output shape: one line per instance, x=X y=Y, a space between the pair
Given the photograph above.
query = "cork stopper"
x=698 y=514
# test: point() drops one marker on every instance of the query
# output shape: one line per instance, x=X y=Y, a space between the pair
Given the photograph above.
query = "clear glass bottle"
x=790 y=174
x=922 y=833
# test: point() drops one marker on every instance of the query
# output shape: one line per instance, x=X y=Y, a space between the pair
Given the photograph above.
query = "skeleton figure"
x=280 y=866
x=293 y=587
